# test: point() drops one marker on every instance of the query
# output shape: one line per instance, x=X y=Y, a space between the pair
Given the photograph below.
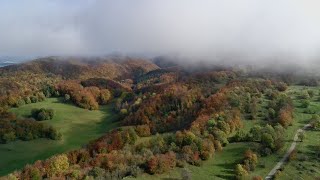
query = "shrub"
x=42 y=114
x=26 y=130
x=311 y=93
x=66 y=97
x=8 y=137
x=305 y=103
x=19 y=102
x=27 y=100
x=41 y=96
x=54 y=134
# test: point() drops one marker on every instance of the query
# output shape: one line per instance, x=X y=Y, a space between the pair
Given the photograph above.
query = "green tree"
x=19 y=102
x=271 y=114
x=255 y=133
x=305 y=95
x=267 y=140
x=27 y=100
x=34 y=99
x=105 y=96
x=240 y=172
x=8 y=137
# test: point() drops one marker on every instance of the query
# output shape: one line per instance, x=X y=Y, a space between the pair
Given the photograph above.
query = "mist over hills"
x=10 y=60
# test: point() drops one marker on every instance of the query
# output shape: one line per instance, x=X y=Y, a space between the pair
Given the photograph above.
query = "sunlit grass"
x=78 y=127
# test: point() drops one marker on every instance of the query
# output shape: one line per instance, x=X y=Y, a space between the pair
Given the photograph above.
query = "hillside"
x=168 y=119
x=82 y=68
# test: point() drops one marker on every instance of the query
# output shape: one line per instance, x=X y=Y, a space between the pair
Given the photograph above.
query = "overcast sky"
x=195 y=28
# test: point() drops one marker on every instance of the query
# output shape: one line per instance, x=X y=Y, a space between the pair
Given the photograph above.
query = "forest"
x=168 y=117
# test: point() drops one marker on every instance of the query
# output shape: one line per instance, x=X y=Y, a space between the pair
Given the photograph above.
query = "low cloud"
x=206 y=29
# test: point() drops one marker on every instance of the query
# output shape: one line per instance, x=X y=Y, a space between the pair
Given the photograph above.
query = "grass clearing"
x=306 y=164
x=78 y=126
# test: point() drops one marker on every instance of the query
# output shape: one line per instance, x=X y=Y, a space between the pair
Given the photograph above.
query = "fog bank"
x=206 y=30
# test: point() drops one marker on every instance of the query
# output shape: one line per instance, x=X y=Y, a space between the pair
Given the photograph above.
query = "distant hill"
x=83 y=68
x=10 y=60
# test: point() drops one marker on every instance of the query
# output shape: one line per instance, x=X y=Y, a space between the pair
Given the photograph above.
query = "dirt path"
x=286 y=156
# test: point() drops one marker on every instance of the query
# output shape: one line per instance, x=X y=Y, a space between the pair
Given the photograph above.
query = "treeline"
x=22 y=87
x=85 y=97
x=13 y=128
x=117 y=155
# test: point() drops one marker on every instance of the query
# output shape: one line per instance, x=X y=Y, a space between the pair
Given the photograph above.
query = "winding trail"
x=286 y=156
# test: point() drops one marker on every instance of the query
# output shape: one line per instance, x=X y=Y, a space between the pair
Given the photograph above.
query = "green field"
x=306 y=164
x=78 y=126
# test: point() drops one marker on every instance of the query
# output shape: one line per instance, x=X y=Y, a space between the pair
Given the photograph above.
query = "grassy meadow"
x=77 y=126
x=306 y=164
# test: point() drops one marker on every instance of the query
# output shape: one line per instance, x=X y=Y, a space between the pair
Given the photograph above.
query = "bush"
x=27 y=100
x=311 y=93
x=54 y=134
x=66 y=97
x=41 y=96
x=34 y=99
x=305 y=103
x=305 y=95
x=26 y=130
x=19 y=102
x=8 y=137
x=42 y=114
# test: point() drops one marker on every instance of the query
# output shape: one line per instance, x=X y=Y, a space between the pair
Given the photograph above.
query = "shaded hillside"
x=82 y=68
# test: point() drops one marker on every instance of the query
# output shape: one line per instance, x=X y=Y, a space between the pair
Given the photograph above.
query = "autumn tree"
x=57 y=165
x=250 y=160
x=143 y=130
x=105 y=96
x=285 y=117
x=240 y=172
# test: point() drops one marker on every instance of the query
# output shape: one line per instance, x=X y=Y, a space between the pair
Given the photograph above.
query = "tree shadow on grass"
x=228 y=169
x=110 y=118
x=60 y=100
x=225 y=176
x=313 y=153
